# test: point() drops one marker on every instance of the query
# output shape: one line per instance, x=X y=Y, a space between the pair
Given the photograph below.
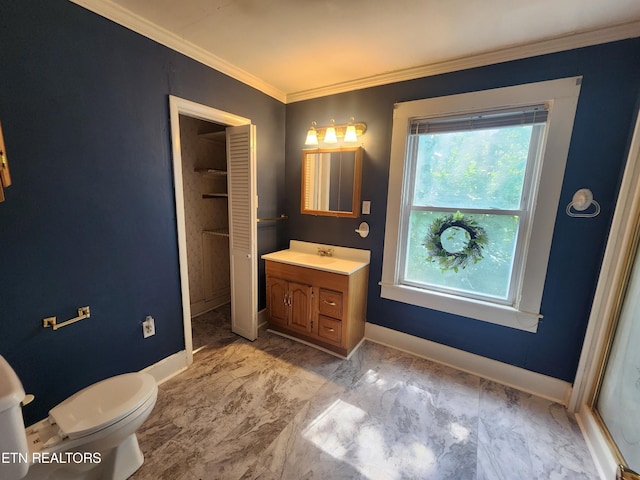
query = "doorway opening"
x=215 y=184
x=203 y=146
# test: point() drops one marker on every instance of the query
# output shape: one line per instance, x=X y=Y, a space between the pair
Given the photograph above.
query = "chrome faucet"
x=325 y=252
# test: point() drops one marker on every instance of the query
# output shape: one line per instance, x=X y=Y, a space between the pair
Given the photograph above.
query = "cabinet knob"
x=329 y=328
x=333 y=304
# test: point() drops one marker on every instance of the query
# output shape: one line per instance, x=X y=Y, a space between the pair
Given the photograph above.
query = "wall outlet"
x=148 y=327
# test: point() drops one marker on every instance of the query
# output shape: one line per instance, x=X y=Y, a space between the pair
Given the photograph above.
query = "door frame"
x=606 y=304
x=180 y=106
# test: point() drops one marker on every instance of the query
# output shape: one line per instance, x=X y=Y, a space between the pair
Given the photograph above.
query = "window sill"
x=467 y=307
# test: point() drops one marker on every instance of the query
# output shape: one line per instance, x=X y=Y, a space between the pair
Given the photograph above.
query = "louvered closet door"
x=241 y=178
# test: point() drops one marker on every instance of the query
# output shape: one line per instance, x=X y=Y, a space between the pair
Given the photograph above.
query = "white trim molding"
x=114 y=12
x=180 y=106
x=127 y=19
x=544 y=187
x=606 y=462
x=168 y=367
x=503 y=373
x=517 y=52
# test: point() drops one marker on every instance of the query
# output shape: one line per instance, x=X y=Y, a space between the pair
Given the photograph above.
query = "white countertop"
x=344 y=261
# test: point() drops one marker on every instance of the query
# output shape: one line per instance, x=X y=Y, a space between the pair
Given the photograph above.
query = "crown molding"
x=124 y=17
x=516 y=52
x=128 y=19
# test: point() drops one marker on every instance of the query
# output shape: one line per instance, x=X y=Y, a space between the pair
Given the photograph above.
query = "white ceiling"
x=294 y=46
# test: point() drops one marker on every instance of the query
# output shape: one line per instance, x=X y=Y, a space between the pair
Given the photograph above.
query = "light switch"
x=366 y=207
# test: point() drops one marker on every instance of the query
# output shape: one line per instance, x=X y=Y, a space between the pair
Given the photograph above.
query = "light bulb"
x=330 y=134
x=312 y=136
x=350 y=135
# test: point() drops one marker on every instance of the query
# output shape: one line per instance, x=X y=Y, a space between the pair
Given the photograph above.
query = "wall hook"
x=582 y=200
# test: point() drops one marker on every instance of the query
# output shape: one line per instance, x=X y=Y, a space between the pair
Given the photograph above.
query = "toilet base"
x=122 y=461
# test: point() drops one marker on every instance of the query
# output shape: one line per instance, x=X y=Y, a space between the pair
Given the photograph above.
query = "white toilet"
x=89 y=436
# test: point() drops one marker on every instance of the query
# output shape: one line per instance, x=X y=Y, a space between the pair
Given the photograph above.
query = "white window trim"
x=562 y=97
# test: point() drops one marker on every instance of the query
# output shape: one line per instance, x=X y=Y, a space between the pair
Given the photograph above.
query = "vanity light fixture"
x=312 y=135
x=332 y=133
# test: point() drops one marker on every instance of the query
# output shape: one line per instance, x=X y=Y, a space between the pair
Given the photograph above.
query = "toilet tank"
x=13 y=440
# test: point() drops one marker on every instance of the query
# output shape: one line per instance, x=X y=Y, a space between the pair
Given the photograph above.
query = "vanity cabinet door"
x=290 y=304
x=278 y=300
x=301 y=299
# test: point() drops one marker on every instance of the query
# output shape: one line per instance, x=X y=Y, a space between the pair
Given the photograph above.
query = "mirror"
x=331 y=180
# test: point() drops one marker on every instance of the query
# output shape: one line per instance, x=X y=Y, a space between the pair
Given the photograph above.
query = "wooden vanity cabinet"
x=290 y=304
x=322 y=308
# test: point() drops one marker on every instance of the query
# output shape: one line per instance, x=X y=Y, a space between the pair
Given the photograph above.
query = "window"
x=474 y=187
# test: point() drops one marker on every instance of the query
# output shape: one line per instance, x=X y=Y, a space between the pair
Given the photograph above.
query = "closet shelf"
x=215 y=195
x=211 y=172
x=223 y=232
x=219 y=137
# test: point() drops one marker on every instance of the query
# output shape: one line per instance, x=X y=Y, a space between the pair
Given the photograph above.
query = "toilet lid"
x=103 y=404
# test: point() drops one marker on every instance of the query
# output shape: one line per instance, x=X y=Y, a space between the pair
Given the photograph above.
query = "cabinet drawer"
x=330 y=329
x=330 y=303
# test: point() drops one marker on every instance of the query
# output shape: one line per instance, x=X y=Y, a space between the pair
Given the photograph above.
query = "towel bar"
x=83 y=312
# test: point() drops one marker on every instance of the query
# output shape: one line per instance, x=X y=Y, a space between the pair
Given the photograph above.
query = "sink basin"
x=335 y=264
x=310 y=259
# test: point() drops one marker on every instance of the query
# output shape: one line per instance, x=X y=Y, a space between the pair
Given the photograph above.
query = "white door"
x=241 y=181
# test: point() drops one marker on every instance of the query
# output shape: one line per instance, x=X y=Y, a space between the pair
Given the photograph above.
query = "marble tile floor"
x=213 y=328
x=277 y=409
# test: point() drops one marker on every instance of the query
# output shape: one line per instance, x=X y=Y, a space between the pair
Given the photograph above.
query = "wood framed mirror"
x=331 y=182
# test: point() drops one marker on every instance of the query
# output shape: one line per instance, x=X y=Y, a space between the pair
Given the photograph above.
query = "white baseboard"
x=516 y=377
x=172 y=365
x=168 y=367
x=603 y=457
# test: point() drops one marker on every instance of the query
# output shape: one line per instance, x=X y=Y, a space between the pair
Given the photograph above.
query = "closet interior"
x=204 y=174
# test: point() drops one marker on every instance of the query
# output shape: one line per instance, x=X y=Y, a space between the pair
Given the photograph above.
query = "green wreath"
x=472 y=251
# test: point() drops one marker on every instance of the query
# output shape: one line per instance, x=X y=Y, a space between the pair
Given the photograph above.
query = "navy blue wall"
x=603 y=123
x=90 y=218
